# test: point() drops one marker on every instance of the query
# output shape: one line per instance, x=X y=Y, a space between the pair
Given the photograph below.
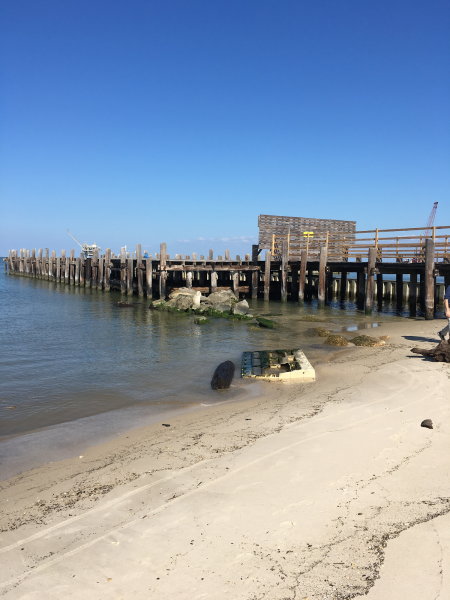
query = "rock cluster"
x=223 y=301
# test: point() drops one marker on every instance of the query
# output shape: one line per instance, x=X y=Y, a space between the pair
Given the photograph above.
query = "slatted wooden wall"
x=270 y=225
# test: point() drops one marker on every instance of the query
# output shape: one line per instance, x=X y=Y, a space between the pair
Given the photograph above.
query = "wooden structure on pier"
x=280 y=275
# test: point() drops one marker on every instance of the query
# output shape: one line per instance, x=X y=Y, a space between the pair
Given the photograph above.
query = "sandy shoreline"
x=291 y=494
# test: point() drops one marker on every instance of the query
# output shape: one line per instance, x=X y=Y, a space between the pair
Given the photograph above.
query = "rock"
x=201 y=321
x=266 y=323
x=184 y=298
x=156 y=303
x=384 y=338
x=367 y=340
x=427 y=423
x=336 y=340
x=241 y=308
x=223 y=298
x=321 y=332
x=441 y=353
x=223 y=376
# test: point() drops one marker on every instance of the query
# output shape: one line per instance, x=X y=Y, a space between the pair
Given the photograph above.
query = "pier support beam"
x=412 y=294
x=429 y=279
x=235 y=277
x=139 y=271
x=322 y=275
x=213 y=282
x=284 y=270
x=77 y=271
x=130 y=262
x=360 y=288
x=294 y=283
x=267 y=274
x=380 y=292
x=149 y=276
x=302 y=277
x=255 y=282
x=162 y=271
x=399 y=288
x=370 y=280
x=123 y=271
x=343 y=289
x=189 y=280
x=107 y=270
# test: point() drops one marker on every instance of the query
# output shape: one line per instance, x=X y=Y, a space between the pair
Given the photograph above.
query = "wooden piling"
x=322 y=273
x=399 y=288
x=58 y=269
x=148 y=277
x=380 y=292
x=255 y=284
x=370 y=280
x=284 y=270
x=302 y=277
x=360 y=288
x=94 y=267
x=213 y=282
x=413 y=294
x=429 y=279
x=130 y=262
x=82 y=270
x=88 y=272
x=77 y=271
x=72 y=267
x=343 y=290
x=100 y=273
x=211 y=255
x=139 y=271
x=123 y=271
x=235 y=276
x=189 y=280
x=162 y=271
x=267 y=275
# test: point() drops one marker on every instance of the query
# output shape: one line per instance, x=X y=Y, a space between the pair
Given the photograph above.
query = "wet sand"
x=304 y=491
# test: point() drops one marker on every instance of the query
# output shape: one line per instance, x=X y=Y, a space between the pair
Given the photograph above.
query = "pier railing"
x=403 y=246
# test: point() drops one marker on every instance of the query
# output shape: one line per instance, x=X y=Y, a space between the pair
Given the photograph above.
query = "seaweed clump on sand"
x=266 y=323
x=367 y=340
x=321 y=332
x=336 y=340
x=314 y=319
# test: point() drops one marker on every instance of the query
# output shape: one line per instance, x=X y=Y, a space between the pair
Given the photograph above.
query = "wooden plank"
x=370 y=280
x=429 y=279
x=268 y=265
x=322 y=273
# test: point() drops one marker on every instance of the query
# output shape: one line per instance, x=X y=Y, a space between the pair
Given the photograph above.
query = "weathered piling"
x=162 y=271
x=370 y=280
x=429 y=279
x=255 y=284
x=412 y=294
x=343 y=289
x=302 y=277
x=130 y=262
x=322 y=274
x=284 y=270
x=107 y=275
x=148 y=276
x=267 y=266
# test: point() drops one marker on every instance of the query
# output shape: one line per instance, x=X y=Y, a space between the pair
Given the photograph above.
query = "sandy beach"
x=308 y=491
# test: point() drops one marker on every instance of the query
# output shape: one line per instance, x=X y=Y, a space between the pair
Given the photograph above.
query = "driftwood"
x=223 y=376
x=440 y=354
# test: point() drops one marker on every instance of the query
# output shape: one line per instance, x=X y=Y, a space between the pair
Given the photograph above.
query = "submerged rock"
x=241 y=308
x=266 y=323
x=336 y=340
x=223 y=376
x=123 y=305
x=321 y=332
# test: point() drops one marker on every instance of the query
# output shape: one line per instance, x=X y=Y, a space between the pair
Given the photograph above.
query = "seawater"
x=75 y=369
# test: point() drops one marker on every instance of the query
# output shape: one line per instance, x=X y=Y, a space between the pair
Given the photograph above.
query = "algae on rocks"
x=266 y=323
x=367 y=340
x=336 y=340
x=321 y=332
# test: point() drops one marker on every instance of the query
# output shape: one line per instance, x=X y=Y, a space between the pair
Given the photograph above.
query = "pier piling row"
x=275 y=277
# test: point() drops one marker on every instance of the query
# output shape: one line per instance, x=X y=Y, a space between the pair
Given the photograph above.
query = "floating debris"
x=274 y=365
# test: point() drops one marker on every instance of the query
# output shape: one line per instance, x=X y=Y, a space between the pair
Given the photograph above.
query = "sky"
x=180 y=121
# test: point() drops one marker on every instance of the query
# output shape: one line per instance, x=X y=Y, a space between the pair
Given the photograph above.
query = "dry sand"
x=324 y=490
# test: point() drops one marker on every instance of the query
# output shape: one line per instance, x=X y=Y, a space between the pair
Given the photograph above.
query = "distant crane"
x=88 y=250
x=431 y=220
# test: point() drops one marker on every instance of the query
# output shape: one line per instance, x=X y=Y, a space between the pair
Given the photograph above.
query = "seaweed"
x=266 y=323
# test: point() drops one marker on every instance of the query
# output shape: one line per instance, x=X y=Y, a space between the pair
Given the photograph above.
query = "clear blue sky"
x=146 y=121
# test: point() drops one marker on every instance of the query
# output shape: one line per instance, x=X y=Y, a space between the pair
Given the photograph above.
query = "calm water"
x=67 y=354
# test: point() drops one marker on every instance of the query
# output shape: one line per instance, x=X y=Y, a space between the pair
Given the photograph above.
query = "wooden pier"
x=312 y=267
